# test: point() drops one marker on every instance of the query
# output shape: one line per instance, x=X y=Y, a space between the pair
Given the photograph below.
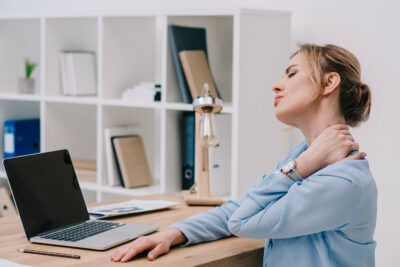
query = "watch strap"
x=292 y=173
x=295 y=175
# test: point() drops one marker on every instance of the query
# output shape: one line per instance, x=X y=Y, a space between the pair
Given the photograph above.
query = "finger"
x=123 y=248
x=157 y=251
x=357 y=156
x=344 y=131
x=354 y=146
x=349 y=137
x=117 y=256
x=339 y=127
x=133 y=251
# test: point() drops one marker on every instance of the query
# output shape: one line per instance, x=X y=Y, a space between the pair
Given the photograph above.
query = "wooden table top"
x=232 y=251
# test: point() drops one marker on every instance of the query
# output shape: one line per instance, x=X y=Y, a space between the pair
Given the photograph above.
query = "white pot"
x=26 y=86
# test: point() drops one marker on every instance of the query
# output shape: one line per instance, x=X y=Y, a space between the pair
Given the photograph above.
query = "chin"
x=285 y=116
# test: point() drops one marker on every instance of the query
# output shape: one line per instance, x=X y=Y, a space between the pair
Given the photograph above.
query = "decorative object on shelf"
x=112 y=172
x=27 y=84
x=197 y=72
x=144 y=92
x=131 y=160
x=78 y=73
x=185 y=38
x=205 y=107
x=21 y=137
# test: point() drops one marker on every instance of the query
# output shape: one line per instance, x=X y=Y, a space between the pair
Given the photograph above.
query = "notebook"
x=52 y=209
x=197 y=72
x=131 y=160
x=112 y=172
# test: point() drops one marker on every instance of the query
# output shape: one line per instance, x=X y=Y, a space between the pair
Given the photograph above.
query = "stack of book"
x=126 y=160
x=78 y=73
x=85 y=170
x=143 y=92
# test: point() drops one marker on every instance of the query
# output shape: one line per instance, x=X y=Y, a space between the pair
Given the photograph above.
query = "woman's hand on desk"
x=158 y=244
x=332 y=145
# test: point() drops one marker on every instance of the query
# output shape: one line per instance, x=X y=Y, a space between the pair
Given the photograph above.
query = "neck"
x=318 y=119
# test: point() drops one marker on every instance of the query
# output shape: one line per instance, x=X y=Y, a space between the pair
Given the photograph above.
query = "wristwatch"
x=289 y=169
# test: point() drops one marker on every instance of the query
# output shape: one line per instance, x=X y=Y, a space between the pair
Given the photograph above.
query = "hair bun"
x=361 y=105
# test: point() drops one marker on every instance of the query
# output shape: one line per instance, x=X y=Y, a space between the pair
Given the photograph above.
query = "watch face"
x=288 y=166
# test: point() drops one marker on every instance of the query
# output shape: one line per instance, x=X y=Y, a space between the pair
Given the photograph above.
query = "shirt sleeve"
x=213 y=224
x=282 y=208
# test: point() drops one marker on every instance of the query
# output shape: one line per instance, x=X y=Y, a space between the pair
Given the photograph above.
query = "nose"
x=277 y=87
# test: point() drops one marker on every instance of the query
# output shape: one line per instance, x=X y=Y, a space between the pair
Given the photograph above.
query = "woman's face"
x=294 y=92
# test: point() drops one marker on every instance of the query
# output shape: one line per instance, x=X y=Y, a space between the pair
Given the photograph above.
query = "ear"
x=331 y=82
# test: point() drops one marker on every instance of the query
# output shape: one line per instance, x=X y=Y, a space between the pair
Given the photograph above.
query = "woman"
x=317 y=207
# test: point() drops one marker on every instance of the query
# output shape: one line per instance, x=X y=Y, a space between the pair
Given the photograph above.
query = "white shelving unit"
x=248 y=51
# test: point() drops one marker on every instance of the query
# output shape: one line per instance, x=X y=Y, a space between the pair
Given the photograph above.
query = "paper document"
x=6 y=263
x=128 y=207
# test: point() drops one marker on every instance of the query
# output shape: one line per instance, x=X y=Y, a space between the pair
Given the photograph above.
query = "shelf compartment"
x=147 y=125
x=66 y=34
x=72 y=127
x=220 y=157
x=130 y=54
x=16 y=109
x=219 y=34
x=20 y=38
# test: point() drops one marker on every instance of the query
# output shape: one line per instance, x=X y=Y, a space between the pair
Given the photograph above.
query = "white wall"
x=368 y=29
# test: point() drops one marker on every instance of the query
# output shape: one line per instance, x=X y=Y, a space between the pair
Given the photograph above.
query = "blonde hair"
x=355 y=96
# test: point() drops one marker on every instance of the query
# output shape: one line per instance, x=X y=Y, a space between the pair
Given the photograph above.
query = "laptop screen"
x=46 y=191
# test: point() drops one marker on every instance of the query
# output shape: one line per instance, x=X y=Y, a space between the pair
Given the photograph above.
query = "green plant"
x=29 y=67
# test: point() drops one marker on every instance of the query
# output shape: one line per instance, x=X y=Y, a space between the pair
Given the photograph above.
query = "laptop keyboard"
x=83 y=230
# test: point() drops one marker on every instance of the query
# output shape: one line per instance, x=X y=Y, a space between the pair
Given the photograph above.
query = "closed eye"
x=292 y=74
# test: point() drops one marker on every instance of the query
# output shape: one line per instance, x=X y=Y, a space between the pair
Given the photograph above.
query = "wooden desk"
x=232 y=251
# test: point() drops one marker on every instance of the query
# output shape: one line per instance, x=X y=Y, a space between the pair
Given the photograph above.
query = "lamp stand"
x=200 y=193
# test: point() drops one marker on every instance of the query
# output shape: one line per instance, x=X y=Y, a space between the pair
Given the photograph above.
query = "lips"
x=277 y=99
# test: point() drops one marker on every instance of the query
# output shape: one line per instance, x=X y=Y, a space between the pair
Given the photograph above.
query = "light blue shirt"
x=326 y=220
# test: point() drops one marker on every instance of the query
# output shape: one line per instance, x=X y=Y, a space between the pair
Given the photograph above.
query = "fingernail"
x=151 y=257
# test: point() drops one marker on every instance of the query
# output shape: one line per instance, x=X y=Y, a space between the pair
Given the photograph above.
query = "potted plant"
x=27 y=84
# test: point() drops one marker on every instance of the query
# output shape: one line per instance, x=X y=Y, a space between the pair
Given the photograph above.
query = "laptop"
x=52 y=209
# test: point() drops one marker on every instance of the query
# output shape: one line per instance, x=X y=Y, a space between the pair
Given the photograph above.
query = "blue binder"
x=188 y=149
x=21 y=137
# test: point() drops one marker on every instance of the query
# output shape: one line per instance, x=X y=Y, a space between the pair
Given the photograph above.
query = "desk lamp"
x=205 y=107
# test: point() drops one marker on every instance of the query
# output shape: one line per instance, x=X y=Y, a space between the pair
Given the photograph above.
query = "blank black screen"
x=46 y=191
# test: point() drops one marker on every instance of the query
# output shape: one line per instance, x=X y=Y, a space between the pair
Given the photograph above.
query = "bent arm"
x=213 y=224
x=281 y=208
